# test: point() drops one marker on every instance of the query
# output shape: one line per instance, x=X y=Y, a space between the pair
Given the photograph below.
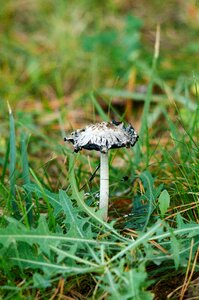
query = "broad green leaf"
x=164 y=202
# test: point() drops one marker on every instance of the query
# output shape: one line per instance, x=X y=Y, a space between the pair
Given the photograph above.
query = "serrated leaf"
x=149 y=195
x=16 y=232
x=164 y=202
x=175 y=248
x=78 y=226
x=75 y=223
x=180 y=221
x=135 y=285
x=40 y=281
x=126 y=285
x=52 y=198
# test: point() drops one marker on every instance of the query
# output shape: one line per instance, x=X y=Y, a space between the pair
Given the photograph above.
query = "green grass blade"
x=6 y=162
x=12 y=157
x=26 y=177
x=100 y=111
x=144 y=120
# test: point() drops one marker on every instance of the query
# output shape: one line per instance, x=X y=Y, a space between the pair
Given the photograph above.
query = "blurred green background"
x=61 y=50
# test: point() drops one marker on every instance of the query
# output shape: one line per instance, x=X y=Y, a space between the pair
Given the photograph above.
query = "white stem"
x=104 y=184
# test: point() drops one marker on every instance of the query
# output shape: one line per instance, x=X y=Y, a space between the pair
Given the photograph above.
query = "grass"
x=53 y=242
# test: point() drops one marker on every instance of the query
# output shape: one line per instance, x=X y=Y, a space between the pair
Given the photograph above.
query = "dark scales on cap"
x=103 y=136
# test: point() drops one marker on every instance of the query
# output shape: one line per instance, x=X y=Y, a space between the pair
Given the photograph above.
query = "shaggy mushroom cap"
x=103 y=136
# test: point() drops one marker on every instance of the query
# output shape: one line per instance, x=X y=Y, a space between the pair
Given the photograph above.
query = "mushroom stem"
x=104 y=184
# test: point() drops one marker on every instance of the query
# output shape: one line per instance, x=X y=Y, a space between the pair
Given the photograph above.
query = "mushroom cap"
x=103 y=136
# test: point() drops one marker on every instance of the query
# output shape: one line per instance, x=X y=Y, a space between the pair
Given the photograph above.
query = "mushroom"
x=102 y=137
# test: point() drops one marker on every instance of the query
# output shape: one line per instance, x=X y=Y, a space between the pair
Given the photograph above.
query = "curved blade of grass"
x=98 y=108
